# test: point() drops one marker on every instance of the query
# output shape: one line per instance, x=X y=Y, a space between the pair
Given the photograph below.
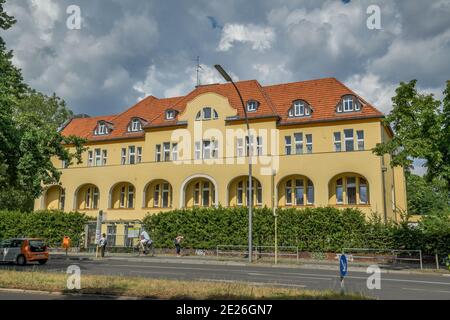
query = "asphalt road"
x=393 y=285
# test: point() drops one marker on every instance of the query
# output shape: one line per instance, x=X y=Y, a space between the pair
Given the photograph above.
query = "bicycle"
x=145 y=248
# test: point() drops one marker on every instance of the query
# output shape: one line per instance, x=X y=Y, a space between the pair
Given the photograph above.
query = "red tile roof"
x=322 y=95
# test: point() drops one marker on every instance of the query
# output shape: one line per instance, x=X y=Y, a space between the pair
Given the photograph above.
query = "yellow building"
x=314 y=136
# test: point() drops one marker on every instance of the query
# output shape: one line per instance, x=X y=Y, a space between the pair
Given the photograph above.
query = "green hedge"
x=318 y=229
x=49 y=225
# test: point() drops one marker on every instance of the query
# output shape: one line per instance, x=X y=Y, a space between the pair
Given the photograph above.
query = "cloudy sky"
x=126 y=50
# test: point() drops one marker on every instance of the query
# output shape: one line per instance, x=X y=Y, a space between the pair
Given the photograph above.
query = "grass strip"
x=159 y=288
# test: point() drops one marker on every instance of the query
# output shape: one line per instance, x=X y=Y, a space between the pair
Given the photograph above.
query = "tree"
x=421 y=131
x=52 y=110
x=424 y=197
x=28 y=137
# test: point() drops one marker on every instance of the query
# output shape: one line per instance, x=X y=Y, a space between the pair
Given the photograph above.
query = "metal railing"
x=390 y=256
x=259 y=252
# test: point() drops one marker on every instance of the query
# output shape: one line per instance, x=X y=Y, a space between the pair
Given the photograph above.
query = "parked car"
x=23 y=250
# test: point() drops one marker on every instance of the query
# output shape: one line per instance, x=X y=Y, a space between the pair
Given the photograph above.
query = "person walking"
x=102 y=243
x=178 y=244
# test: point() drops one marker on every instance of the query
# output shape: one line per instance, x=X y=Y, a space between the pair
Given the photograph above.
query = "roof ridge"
x=267 y=97
x=294 y=82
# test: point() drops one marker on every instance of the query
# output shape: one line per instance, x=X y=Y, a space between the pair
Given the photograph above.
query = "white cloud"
x=272 y=73
x=373 y=90
x=45 y=13
x=158 y=81
x=260 y=37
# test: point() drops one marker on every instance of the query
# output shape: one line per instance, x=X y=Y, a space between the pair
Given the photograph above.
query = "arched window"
x=240 y=194
x=300 y=108
x=348 y=103
x=102 y=128
x=349 y=189
x=87 y=197
x=207 y=113
x=135 y=125
x=158 y=194
x=296 y=190
x=122 y=196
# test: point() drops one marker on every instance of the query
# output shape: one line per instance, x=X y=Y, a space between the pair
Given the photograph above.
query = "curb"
x=60 y=294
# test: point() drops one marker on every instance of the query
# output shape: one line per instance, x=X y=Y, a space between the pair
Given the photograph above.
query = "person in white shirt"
x=145 y=241
x=102 y=244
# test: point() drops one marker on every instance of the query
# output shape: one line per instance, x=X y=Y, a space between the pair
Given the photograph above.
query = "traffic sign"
x=343 y=265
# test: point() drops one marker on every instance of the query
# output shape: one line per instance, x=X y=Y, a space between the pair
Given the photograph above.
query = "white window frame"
x=158 y=157
x=206 y=146
x=239 y=147
x=156 y=194
x=139 y=155
x=309 y=144
x=259 y=146
x=97 y=157
x=367 y=191
x=252 y=106
x=174 y=151
x=102 y=129
x=197 y=150
x=349 y=138
x=360 y=141
x=214 y=149
x=348 y=104
x=122 y=198
x=288 y=145
x=301 y=186
x=123 y=156
x=135 y=126
x=87 y=199
x=131 y=155
x=95 y=198
x=288 y=199
x=298 y=142
x=104 y=157
x=210 y=113
x=299 y=109
x=130 y=195
x=170 y=114
x=337 y=142
x=165 y=191
x=166 y=151
x=342 y=192
x=240 y=193
x=90 y=158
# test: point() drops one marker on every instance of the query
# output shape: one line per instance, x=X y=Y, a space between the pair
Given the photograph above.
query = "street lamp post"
x=227 y=77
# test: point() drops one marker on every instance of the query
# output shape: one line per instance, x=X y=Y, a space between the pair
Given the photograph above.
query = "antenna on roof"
x=198 y=67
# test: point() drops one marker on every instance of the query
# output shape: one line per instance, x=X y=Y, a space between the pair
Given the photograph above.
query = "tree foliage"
x=49 y=225
x=424 y=197
x=315 y=230
x=28 y=135
x=421 y=131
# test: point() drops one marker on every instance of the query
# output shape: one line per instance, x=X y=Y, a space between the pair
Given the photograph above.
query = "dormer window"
x=349 y=103
x=252 y=106
x=101 y=129
x=299 y=109
x=207 y=113
x=135 y=125
x=170 y=114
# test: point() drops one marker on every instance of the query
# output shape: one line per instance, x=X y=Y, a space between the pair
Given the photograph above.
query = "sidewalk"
x=213 y=260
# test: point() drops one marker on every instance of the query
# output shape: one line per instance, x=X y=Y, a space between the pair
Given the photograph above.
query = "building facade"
x=310 y=145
